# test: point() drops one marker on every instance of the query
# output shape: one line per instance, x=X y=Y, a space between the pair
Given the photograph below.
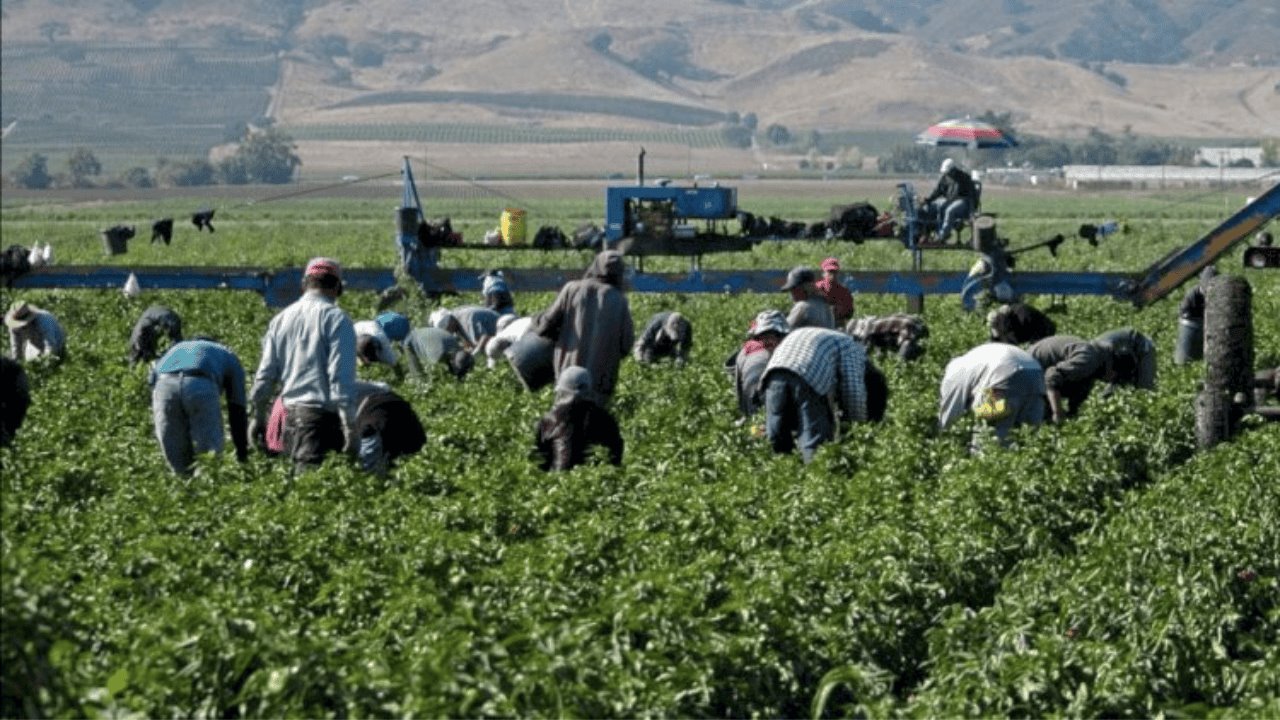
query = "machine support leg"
x=915 y=303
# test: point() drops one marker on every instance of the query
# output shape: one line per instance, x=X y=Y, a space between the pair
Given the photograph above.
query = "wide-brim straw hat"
x=20 y=315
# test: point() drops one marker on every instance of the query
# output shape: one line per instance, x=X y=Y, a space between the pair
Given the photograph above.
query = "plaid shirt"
x=830 y=362
x=887 y=332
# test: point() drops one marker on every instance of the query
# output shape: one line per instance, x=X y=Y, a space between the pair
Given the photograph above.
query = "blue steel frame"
x=691 y=203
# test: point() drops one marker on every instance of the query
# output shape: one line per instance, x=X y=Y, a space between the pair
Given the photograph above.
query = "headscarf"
x=608 y=267
x=574 y=384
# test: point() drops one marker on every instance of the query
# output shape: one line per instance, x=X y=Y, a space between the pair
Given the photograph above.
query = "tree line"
x=268 y=156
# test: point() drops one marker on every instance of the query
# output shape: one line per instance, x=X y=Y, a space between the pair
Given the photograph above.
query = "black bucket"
x=115 y=241
x=532 y=358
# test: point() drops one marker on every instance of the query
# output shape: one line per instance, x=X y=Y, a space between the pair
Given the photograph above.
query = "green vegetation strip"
x=1172 y=608
x=706 y=577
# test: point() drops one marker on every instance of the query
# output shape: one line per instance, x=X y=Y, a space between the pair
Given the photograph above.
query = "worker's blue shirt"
x=210 y=359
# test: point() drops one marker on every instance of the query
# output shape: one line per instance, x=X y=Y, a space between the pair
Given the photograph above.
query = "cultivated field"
x=1100 y=568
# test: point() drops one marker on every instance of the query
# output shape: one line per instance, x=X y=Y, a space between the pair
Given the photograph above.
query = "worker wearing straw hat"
x=34 y=333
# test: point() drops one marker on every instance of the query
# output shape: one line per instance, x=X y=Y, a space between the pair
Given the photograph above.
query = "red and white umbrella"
x=966 y=133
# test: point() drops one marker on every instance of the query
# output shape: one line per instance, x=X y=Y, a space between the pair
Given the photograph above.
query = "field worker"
x=748 y=364
x=1019 y=324
x=34 y=333
x=389 y=428
x=1190 y=345
x=590 y=324
x=424 y=348
x=1131 y=359
x=373 y=345
x=1072 y=366
x=667 y=335
x=810 y=308
x=157 y=322
x=472 y=324
x=813 y=373
x=395 y=325
x=186 y=384
x=309 y=350
x=575 y=424
x=897 y=333
x=510 y=329
x=15 y=399
x=952 y=199
x=496 y=293
x=838 y=295
x=1001 y=384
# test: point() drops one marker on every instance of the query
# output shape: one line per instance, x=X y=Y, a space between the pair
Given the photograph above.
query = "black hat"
x=799 y=276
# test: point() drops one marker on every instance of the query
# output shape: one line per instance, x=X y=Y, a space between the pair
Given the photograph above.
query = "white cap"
x=947 y=165
x=440 y=319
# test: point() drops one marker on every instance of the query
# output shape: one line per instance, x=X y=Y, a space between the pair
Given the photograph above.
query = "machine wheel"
x=1228 y=352
x=1217 y=417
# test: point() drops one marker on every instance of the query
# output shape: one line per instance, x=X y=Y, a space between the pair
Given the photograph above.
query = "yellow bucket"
x=513 y=228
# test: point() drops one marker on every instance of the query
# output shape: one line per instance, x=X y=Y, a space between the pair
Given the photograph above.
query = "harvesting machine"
x=659 y=220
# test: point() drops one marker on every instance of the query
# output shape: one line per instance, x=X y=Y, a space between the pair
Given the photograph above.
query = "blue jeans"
x=188 y=418
x=791 y=408
x=373 y=458
x=951 y=215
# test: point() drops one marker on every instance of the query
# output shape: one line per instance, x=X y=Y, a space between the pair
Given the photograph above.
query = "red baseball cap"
x=321 y=266
x=831 y=264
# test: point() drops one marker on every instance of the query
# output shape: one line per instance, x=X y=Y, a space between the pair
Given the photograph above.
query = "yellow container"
x=513 y=228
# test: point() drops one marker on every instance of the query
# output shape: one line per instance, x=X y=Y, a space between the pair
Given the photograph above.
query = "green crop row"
x=1172 y=607
x=361 y=233
x=706 y=577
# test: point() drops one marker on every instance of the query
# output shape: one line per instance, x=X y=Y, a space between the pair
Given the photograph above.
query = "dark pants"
x=312 y=434
x=389 y=428
x=791 y=408
x=1190 y=345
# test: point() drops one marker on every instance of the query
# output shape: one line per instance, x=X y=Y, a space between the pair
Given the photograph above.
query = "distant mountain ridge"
x=1172 y=68
x=1199 y=32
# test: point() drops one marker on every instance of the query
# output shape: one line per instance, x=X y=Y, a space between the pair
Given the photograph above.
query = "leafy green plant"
x=895 y=575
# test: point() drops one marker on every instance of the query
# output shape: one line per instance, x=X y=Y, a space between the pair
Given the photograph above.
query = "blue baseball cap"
x=395 y=325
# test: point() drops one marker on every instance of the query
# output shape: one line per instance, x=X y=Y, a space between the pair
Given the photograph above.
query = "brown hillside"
x=813 y=64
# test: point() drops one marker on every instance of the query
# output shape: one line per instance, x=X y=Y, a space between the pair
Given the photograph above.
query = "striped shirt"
x=831 y=362
x=887 y=332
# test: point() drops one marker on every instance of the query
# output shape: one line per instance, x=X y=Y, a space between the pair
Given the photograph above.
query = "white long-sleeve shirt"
x=989 y=365
x=42 y=336
x=310 y=350
x=386 y=351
